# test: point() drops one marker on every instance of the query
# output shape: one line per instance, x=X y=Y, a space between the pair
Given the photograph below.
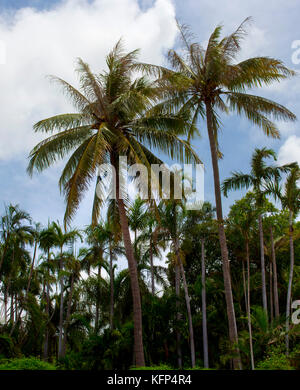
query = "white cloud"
x=48 y=42
x=290 y=151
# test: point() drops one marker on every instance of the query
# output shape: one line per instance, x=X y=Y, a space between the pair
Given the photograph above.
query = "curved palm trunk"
x=275 y=282
x=135 y=288
x=188 y=308
x=204 y=319
x=289 y=292
x=233 y=334
x=249 y=306
x=262 y=262
x=178 y=315
x=111 y=275
x=61 y=310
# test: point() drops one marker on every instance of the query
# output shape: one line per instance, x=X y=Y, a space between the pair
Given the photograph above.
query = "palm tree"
x=61 y=239
x=289 y=197
x=260 y=176
x=47 y=241
x=242 y=216
x=201 y=223
x=201 y=81
x=172 y=220
x=114 y=118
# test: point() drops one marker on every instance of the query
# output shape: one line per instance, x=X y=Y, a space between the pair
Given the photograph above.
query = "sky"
x=38 y=38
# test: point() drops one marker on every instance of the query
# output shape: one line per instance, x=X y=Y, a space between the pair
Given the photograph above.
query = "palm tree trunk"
x=271 y=293
x=289 y=292
x=233 y=334
x=204 y=319
x=275 y=282
x=68 y=314
x=244 y=285
x=262 y=261
x=134 y=282
x=98 y=297
x=188 y=307
x=111 y=275
x=178 y=315
x=61 y=309
x=27 y=288
x=31 y=268
x=46 y=340
x=151 y=265
x=249 y=306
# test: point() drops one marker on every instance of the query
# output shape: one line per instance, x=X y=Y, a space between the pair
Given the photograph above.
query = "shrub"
x=161 y=367
x=26 y=364
x=275 y=362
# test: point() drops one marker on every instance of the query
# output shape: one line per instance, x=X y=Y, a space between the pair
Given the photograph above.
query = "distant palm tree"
x=115 y=118
x=201 y=81
x=172 y=219
x=260 y=177
x=61 y=239
x=289 y=197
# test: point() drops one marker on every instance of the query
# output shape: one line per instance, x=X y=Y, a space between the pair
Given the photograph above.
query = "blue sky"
x=47 y=38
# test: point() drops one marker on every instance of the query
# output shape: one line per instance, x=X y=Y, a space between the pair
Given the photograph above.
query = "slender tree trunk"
x=178 y=315
x=61 y=309
x=204 y=319
x=98 y=297
x=233 y=334
x=12 y=308
x=262 y=261
x=46 y=340
x=289 y=292
x=68 y=316
x=244 y=286
x=5 y=305
x=151 y=265
x=27 y=289
x=249 y=306
x=135 y=288
x=111 y=275
x=188 y=307
x=271 y=293
x=275 y=282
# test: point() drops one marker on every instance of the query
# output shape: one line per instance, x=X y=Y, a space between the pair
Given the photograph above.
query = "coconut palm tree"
x=259 y=178
x=208 y=81
x=114 y=118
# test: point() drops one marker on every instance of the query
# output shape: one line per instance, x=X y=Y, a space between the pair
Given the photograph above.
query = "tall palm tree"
x=260 y=177
x=115 y=118
x=209 y=80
